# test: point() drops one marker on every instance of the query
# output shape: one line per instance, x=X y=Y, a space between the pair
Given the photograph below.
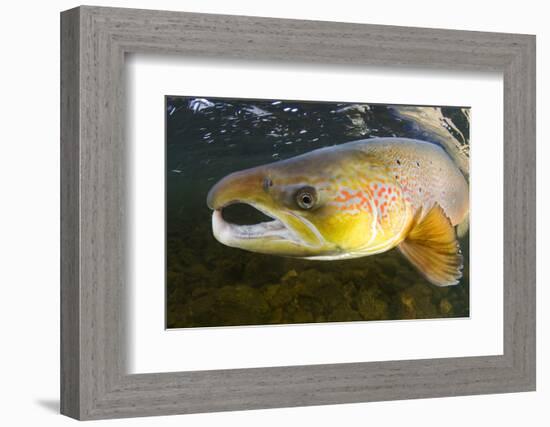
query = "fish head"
x=302 y=195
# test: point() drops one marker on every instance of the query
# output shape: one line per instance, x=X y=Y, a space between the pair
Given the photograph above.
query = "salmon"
x=353 y=200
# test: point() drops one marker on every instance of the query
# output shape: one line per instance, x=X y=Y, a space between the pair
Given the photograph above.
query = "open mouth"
x=243 y=221
x=244 y=214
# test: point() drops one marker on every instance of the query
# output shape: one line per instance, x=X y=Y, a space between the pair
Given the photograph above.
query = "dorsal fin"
x=431 y=246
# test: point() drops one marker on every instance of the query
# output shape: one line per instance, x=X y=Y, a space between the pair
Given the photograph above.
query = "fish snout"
x=244 y=186
x=211 y=197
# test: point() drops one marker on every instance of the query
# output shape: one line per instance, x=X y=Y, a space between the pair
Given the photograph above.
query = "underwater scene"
x=284 y=212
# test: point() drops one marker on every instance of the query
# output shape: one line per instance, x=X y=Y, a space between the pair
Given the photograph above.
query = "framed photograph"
x=263 y=213
x=298 y=183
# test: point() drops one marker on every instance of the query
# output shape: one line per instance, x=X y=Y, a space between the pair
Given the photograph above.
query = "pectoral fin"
x=431 y=246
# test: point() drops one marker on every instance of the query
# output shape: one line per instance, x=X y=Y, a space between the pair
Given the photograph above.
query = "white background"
x=152 y=349
x=29 y=177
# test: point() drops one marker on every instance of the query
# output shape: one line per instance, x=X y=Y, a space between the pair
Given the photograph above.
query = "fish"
x=352 y=200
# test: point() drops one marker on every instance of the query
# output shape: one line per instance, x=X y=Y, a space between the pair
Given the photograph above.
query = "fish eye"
x=306 y=197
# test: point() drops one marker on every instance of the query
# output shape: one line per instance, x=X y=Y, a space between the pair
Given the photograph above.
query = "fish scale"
x=425 y=173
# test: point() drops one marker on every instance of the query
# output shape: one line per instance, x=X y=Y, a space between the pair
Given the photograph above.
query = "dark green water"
x=209 y=284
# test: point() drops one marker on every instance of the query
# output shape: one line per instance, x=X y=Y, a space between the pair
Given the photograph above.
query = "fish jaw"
x=233 y=235
x=275 y=237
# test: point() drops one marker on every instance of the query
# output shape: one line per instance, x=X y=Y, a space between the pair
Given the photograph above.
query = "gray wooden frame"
x=94 y=382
